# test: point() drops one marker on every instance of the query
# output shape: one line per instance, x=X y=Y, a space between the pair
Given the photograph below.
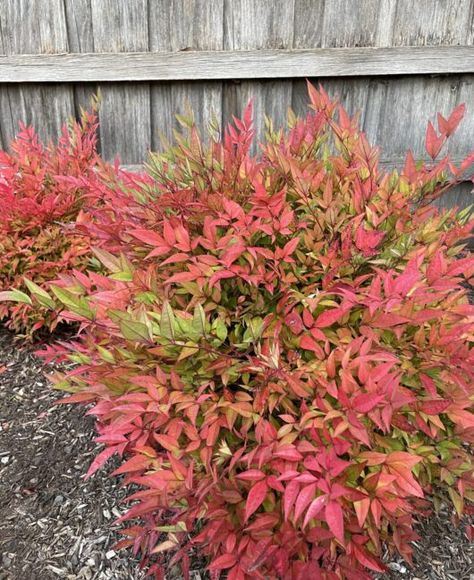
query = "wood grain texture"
x=238 y=64
x=394 y=112
x=182 y=25
x=352 y=23
x=81 y=39
x=262 y=27
x=33 y=27
x=120 y=26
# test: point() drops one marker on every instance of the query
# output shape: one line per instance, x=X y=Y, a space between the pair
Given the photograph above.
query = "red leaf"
x=223 y=562
x=100 y=460
x=405 y=282
x=335 y=520
x=231 y=254
x=148 y=237
x=407 y=460
x=81 y=397
x=168 y=232
x=236 y=574
x=314 y=509
x=304 y=499
x=289 y=497
x=366 y=402
x=362 y=509
x=179 y=257
x=167 y=442
x=434 y=407
x=387 y=320
x=255 y=498
x=447 y=127
x=290 y=247
x=220 y=275
x=433 y=142
x=251 y=475
x=135 y=463
x=289 y=453
x=410 y=167
x=367 y=559
x=294 y=322
x=308 y=343
x=181 y=277
x=329 y=317
x=367 y=240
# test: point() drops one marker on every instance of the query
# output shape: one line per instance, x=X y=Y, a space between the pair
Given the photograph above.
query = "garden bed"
x=53 y=524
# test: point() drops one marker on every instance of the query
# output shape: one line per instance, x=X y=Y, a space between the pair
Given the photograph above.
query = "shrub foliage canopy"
x=42 y=189
x=280 y=346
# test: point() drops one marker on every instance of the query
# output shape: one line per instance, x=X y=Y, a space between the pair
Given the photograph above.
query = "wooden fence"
x=396 y=61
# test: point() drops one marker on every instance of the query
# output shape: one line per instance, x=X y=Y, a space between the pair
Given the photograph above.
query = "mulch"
x=55 y=525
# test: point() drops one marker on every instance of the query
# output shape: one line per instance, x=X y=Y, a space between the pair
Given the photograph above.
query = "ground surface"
x=54 y=525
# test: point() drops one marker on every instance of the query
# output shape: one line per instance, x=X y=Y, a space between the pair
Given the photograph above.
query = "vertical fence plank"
x=120 y=26
x=185 y=25
x=253 y=24
x=28 y=28
x=80 y=39
x=317 y=25
x=431 y=23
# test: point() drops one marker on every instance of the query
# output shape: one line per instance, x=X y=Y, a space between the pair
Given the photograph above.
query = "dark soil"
x=55 y=525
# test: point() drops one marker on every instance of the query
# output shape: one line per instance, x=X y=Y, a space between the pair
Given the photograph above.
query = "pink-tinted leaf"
x=335 y=519
x=329 y=317
x=434 y=407
x=251 y=475
x=223 y=562
x=433 y=141
x=255 y=498
x=314 y=509
x=305 y=497
x=100 y=460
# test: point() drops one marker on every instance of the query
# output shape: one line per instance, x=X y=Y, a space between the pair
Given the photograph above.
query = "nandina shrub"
x=281 y=350
x=42 y=191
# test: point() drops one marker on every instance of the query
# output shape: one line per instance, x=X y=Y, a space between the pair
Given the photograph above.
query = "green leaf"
x=189 y=349
x=183 y=328
x=146 y=297
x=220 y=329
x=457 y=501
x=199 y=320
x=464 y=215
x=122 y=276
x=254 y=329
x=105 y=354
x=107 y=259
x=40 y=294
x=15 y=296
x=135 y=330
x=75 y=303
x=179 y=527
x=167 y=322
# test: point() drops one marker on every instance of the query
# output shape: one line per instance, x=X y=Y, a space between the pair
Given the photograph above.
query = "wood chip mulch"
x=55 y=525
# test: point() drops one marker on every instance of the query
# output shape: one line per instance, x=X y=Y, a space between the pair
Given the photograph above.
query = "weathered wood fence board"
x=154 y=58
x=235 y=64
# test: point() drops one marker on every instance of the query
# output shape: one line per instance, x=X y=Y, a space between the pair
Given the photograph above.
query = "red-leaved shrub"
x=41 y=191
x=282 y=349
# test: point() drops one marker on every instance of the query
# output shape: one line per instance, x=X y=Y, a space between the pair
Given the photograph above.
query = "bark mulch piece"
x=54 y=525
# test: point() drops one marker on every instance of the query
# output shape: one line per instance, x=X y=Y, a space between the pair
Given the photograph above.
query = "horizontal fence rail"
x=250 y=64
x=384 y=165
